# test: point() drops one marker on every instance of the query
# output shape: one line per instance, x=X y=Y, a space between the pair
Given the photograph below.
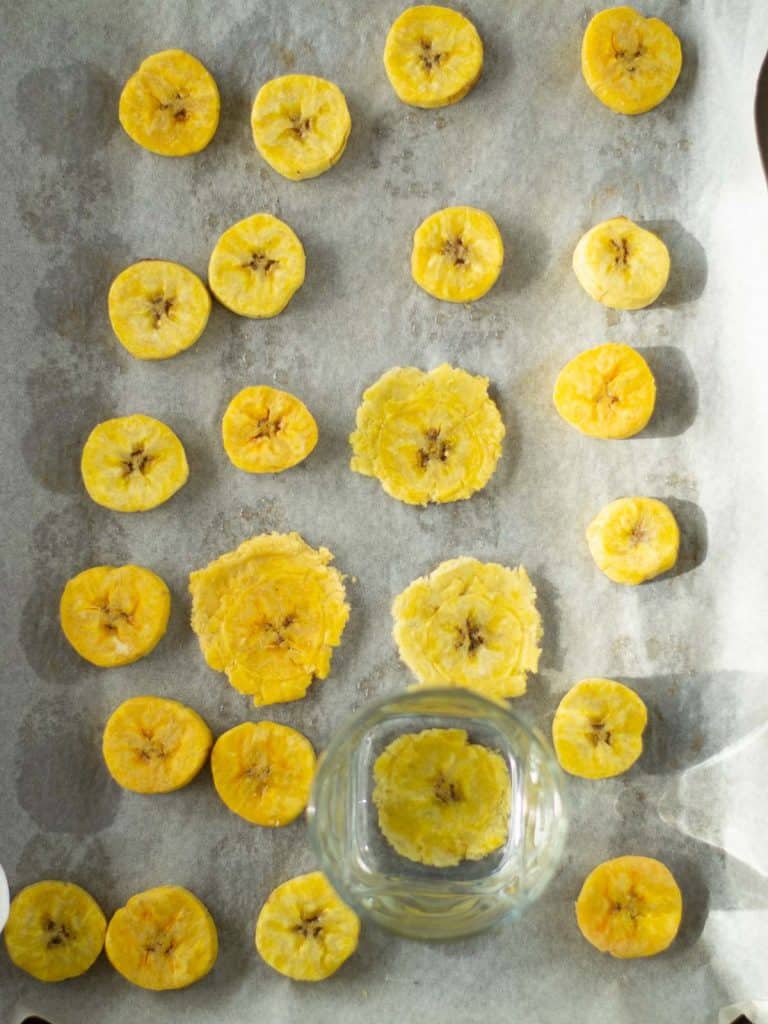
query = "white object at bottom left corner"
x=4 y=898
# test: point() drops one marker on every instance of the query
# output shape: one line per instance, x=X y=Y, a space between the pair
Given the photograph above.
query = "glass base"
x=415 y=899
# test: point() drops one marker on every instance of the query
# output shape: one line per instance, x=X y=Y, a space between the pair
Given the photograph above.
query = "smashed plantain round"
x=432 y=436
x=440 y=798
x=472 y=624
x=269 y=615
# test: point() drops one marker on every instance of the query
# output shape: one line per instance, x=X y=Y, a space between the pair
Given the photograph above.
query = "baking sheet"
x=530 y=145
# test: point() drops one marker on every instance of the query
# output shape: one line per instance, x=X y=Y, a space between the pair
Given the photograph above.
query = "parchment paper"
x=533 y=147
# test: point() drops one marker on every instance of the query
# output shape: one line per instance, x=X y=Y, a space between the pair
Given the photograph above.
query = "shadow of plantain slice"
x=694 y=536
x=688 y=263
x=677 y=393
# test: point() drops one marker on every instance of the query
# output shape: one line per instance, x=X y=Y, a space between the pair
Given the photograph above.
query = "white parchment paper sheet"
x=534 y=148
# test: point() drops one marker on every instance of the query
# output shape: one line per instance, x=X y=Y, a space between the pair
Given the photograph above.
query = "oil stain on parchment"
x=61 y=781
x=68 y=112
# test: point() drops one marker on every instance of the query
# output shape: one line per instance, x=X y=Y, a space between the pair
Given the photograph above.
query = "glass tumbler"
x=412 y=898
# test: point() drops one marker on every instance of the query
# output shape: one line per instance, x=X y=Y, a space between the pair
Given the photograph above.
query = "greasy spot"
x=60 y=778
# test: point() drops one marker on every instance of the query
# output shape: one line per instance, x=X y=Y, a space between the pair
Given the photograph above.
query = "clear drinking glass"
x=414 y=899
